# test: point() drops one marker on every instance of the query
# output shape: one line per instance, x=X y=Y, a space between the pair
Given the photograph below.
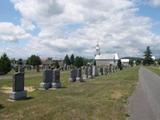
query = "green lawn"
x=154 y=69
x=102 y=98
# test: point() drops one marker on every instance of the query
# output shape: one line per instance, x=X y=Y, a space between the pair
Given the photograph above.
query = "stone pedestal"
x=18 y=95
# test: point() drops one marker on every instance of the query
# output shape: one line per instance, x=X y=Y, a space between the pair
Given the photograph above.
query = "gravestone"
x=90 y=72
x=101 y=70
x=93 y=71
x=21 y=69
x=56 y=79
x=18 y=91
x=106 y=71
x=85 y=75
x=79 y=75
x=96 y=71
x=73 y=75
x=47 y=79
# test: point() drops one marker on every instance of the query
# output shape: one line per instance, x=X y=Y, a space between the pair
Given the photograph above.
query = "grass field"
x=102 y=98
x=155 y=69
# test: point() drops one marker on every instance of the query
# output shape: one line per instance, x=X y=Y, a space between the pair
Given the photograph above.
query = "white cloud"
x=11 y=32
x=113 y=24
x=155 y=2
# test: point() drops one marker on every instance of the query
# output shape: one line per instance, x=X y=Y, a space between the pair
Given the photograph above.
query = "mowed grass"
x=154 y=69
x=102 y=98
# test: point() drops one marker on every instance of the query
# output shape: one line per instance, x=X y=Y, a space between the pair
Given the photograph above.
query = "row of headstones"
x=51 y=79
x=79 y=74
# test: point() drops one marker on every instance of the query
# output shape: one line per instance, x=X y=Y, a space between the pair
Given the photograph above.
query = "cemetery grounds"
x=102 y=98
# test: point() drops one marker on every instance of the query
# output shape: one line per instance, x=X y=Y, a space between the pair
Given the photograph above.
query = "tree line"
x=6 y=64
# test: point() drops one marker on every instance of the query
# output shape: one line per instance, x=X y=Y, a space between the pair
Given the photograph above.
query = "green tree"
x=138 y=62
x=119 y=64
x=34 y=61
x=148 y=57
x=5 y=64
x=79 y=61
x=67 y=60
x=72 y=59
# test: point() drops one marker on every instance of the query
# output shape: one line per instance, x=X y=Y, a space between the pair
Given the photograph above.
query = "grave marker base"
x=18 y=95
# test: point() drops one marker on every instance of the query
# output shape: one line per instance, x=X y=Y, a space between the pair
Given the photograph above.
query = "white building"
x=105 y=59
x=125 y=62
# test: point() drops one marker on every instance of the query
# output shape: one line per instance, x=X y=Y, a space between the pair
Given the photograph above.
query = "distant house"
x=105 y=59
x=125 y=62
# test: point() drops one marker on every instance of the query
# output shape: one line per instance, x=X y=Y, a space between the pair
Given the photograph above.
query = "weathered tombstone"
x=93 y=71
x=101 y=71
x=79 y=75
x=21 y=69
x=96 y=71
x=90 y=72
x=110 y=68
x=47 y=79
x=18 y=91
x=73 y=75
x=85 y=75
x=106 y=70
x=56 y=79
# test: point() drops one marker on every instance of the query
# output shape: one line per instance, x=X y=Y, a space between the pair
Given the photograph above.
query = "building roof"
x=107 y=57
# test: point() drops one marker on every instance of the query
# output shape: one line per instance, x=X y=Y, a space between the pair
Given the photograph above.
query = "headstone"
x=110 y=68
x=90 y=72
x=47 y=79
x=73 y=75
x=18 y=91
x=96 y=71
x=56 y=79
x=79 y=75
x=106 y=71
x=21 y=69
x=85 y=75
x=93 y=71
x=101 y=71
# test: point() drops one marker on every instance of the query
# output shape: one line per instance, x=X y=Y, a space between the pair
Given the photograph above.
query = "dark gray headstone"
x=18 y=87
x=47 y=79
x=56 y=79
x=73 y=75
x=79 y=75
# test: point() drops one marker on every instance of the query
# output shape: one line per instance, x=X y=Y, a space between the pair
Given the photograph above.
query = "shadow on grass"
x=1 y=107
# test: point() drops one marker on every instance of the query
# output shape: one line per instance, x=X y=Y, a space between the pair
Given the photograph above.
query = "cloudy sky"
x=52 y=28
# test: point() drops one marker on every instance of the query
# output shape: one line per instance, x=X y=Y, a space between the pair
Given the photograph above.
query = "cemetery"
x=83 y=89
x=89 y=92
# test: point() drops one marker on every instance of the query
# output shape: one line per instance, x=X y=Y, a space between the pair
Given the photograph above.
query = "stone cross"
x=18 y=91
